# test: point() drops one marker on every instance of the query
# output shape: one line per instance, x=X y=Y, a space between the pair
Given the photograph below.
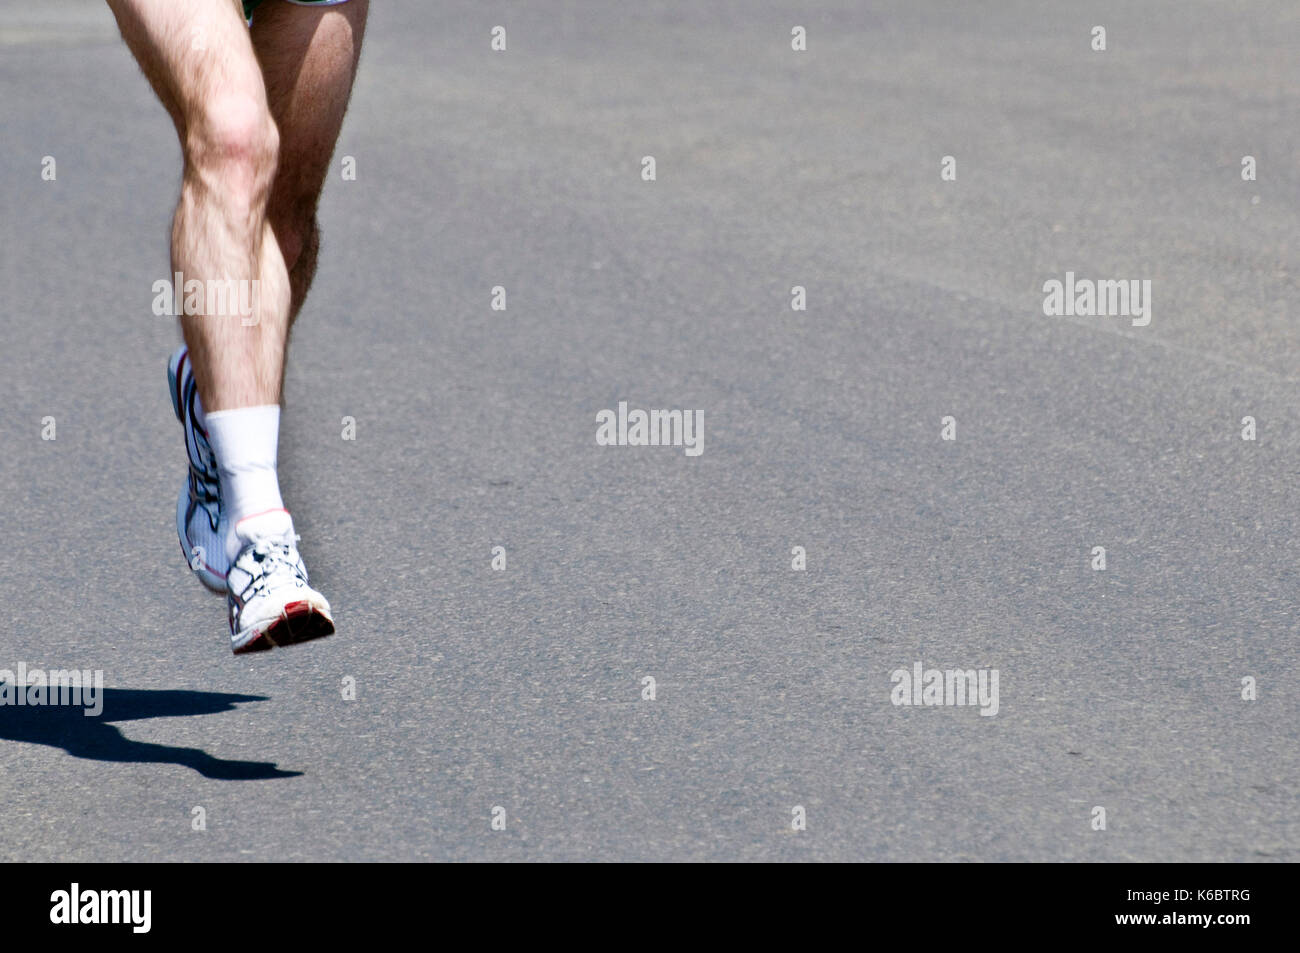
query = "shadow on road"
x=67 y=727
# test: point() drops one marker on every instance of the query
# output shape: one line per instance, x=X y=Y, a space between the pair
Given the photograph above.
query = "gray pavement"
x=522 y=688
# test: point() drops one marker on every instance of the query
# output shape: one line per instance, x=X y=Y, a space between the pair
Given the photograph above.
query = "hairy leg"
x=309 y=59
x=200 y=60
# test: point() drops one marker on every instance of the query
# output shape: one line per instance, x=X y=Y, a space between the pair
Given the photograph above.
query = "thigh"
x=309 y=58
x=194 y=53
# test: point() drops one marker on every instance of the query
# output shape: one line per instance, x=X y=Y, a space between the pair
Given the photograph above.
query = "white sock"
x=245 y=441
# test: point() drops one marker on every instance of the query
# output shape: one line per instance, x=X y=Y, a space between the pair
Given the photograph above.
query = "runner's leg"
x=309 y=59
x=200 y=60
x=199 y=57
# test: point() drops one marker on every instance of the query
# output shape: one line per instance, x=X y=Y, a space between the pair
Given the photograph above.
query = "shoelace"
x=273 y=556
x=277 y=554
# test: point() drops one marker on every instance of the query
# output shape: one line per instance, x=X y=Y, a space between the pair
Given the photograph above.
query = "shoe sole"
x=299 y=622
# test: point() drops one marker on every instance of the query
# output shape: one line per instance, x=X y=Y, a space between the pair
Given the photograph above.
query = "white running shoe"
x=270 y=602
x=200 y=517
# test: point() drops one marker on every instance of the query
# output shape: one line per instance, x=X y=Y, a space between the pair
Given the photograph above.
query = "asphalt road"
x=522 y=689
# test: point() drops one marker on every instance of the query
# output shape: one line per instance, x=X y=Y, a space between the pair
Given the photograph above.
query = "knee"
x=234 y=145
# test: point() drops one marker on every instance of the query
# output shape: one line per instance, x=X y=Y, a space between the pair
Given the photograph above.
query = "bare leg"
x=309 y=59
x=200 y=60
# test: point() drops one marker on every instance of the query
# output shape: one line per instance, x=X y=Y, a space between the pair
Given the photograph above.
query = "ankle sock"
x=245 y=441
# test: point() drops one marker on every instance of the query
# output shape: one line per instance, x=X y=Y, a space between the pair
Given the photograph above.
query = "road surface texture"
x=519 y=693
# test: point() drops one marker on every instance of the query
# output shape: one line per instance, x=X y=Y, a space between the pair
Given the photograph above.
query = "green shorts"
x=251 y=5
